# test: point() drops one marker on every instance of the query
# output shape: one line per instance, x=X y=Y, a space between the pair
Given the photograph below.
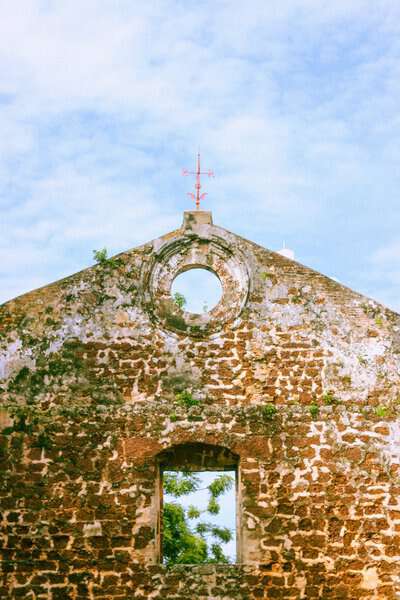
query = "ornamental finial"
x=197 y=196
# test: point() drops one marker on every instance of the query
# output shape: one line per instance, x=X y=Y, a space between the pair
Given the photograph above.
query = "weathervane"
x=197 y=196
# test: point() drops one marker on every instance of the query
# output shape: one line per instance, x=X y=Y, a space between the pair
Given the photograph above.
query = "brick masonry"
x=294 y=374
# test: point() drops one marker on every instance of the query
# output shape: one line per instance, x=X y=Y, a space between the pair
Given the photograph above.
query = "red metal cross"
x=197 y=196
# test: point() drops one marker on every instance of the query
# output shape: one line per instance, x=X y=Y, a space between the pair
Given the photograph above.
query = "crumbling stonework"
x=296 y=378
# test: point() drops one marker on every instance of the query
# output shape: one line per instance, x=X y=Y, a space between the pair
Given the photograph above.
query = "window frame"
x=232 y=465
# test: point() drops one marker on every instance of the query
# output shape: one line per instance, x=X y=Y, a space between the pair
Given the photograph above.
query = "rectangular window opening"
x=198 y=516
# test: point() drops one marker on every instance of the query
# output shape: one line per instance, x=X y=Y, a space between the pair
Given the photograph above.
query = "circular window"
x=196 y=290
x=195 y=284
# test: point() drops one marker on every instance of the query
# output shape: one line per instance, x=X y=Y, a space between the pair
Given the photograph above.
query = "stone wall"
x=295 y=375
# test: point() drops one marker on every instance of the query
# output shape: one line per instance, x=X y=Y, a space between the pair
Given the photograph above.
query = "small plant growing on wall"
x=269 y=411
x=329 y=399
x=265 y=275
x=381 y=411
x=101 y=258
x=314 y=410
x=186 y=399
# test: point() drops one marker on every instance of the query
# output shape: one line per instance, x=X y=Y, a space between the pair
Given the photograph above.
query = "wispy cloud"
x=293 y=103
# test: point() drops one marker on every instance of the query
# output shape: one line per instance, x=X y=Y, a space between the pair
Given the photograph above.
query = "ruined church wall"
x=296 y=375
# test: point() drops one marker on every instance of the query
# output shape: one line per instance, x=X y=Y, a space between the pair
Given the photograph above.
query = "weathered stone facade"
x=295 y=375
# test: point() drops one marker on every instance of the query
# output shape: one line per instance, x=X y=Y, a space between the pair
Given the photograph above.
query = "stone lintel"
x=197 y=217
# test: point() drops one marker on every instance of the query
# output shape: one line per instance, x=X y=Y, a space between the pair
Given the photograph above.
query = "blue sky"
x=201 y=290
x=294 y=104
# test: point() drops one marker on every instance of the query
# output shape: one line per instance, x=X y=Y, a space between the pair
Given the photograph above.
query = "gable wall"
x=92 y=368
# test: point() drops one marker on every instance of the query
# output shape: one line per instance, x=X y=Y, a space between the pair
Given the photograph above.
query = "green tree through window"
x=191 y=534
